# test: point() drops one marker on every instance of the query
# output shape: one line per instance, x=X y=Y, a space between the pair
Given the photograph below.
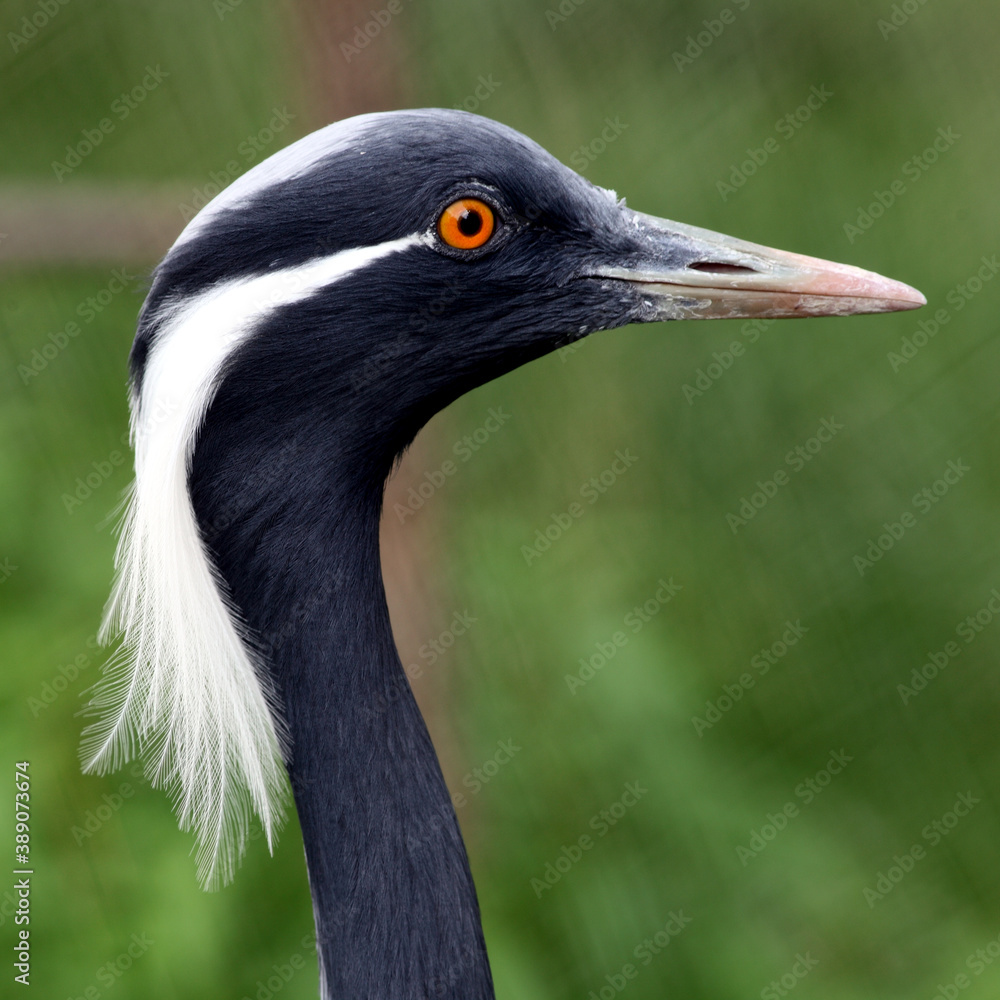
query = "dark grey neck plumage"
x=395 y=905
x=287 y=475
x=291 y=520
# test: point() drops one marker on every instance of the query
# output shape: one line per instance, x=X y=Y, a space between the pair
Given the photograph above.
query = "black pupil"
x=470 y=222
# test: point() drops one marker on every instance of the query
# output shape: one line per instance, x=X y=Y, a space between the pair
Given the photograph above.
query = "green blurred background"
x=762 y=917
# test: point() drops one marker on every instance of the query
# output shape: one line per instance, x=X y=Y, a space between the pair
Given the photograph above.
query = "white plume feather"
x=184 y=691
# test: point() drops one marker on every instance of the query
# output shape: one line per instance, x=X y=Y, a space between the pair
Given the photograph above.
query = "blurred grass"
x=666 y=517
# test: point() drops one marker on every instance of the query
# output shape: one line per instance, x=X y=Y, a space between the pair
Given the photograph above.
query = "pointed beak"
x=691 y=273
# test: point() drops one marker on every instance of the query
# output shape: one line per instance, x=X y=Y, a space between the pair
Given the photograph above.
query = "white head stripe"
x=184 y=690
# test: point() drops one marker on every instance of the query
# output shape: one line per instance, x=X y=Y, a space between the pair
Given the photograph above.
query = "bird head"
x=394 y=261
x=333 y=298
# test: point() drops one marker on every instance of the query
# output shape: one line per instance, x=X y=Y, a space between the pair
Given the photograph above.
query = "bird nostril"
x=717 y=267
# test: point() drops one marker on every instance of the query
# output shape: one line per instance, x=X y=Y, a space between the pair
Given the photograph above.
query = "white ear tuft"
x=182 y=691
x=185 y=691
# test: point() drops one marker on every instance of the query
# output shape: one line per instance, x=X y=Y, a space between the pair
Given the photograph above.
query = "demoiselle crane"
x=283 y=362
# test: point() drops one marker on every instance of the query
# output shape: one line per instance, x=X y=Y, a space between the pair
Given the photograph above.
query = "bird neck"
x=395 y=906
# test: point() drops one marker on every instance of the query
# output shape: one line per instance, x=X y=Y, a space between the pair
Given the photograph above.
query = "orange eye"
x=466 y=223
